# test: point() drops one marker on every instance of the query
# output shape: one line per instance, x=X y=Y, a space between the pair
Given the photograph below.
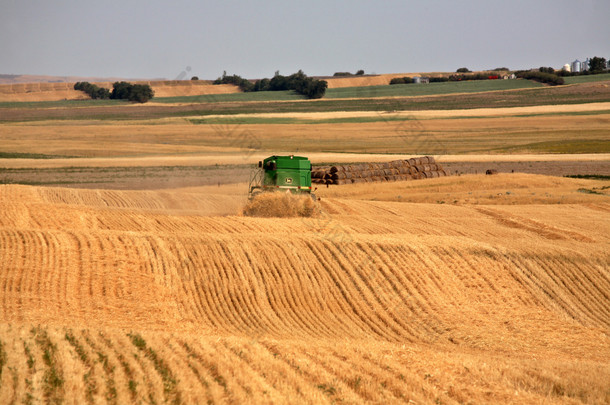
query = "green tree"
x=120 y=90
x=92 y=90
x=141 y=93
x=597 y=65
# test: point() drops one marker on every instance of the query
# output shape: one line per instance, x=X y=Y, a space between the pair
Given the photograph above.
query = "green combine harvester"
x=282 y=173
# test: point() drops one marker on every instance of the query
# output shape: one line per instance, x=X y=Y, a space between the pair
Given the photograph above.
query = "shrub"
x=402 y=80
x=548 y=78
x=463 y=70
x=344 y=74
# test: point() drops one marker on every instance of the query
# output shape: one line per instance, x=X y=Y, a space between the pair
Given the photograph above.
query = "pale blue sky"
x=160 y=39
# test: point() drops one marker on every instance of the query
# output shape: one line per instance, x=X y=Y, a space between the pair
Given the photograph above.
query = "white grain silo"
x=576 y=66
x=567 y=67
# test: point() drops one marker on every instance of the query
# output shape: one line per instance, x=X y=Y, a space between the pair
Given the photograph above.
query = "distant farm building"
x=423 y=80
x=578 y=66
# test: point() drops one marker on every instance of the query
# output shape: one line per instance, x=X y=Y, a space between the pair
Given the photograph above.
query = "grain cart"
x=282 y=173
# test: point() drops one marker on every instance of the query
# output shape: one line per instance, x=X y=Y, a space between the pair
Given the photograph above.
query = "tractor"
x=291 y=174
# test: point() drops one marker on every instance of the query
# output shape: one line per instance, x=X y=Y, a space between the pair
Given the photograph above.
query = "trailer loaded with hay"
x=409 y=169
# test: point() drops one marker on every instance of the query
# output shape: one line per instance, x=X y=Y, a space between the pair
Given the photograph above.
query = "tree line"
x=139 y=93
x=299 y=82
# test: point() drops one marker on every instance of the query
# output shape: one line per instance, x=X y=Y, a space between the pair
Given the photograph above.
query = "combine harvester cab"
x=282 y=173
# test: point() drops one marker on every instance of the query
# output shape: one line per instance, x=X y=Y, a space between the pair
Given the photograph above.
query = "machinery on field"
x=282 y=173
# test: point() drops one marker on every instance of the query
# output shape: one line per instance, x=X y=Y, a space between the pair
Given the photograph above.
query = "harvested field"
x=130 y=274
x=65 y=91
x=123 y=296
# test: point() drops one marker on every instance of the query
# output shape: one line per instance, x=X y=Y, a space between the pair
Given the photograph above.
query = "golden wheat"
x=119 y=297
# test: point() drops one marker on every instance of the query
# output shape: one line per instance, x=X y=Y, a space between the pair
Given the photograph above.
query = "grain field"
x=159 y=297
